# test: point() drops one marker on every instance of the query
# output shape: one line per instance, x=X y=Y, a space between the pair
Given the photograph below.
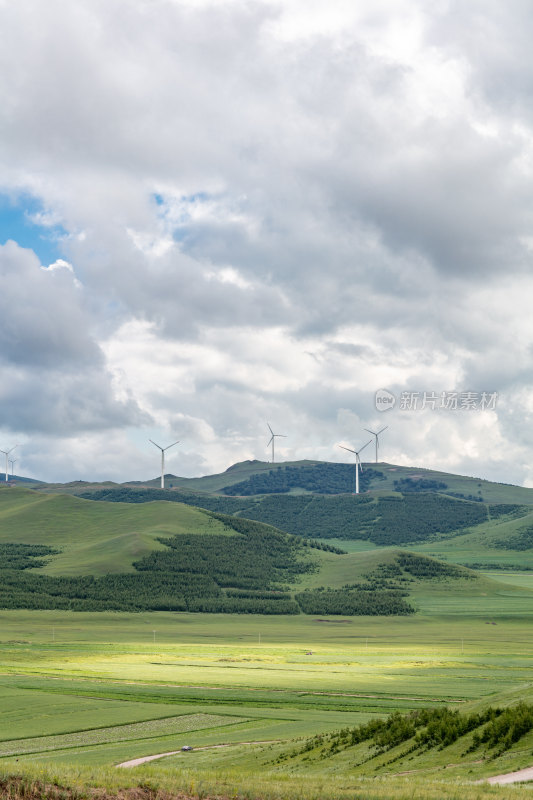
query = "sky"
x=218 y=214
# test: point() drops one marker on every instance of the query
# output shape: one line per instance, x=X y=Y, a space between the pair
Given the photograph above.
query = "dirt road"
x=511 y=777
x=135 y=762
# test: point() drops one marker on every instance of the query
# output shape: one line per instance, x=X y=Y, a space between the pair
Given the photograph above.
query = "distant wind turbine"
x=6 y=453
x=376 y=435
x=163 y=459
x=272 y=439
x=12 y=461
x=358 y=465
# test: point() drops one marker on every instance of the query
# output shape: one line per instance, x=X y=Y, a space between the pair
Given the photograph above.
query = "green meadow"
x=83 y=692
x=94 y=538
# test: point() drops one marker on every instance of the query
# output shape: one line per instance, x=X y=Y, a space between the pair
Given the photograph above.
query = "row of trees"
x=424 y=567
x=431 y=728
x=521 y=540
x=14 y=555
x=354 y=602
x=320 y=478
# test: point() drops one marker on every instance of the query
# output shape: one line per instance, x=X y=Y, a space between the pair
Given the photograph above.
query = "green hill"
x=18 y=479
x=94 y=538
x=259 y=477
x=480 y=740
x=500 y=542
x=237 y=473
x=60 y=551
x=423 y=520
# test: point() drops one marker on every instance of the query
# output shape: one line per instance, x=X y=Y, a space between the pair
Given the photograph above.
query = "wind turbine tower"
x=358 y=465
x=377 y=435
x=272 y=439
x=12 y=462
x=6 y=453
x=163 y=459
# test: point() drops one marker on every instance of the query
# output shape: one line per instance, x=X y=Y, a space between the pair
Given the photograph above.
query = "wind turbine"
x=6 y=453
x=358 y=465
x=376 y=435
x=12 y=462
x=163 y=459
x=272 y=438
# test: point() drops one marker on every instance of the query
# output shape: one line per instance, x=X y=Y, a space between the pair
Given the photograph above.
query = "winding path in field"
x=135 y=762
x=511 y=777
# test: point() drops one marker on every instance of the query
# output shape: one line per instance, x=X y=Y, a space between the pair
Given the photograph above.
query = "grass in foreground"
x=78 y=784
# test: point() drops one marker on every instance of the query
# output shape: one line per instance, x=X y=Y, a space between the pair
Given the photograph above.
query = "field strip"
x=84 y=692
x=148 y=729
x=510 y=777
x=135 y=762
x=388 y=697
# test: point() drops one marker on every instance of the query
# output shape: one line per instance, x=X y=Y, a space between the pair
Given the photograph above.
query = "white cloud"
x=270 y=210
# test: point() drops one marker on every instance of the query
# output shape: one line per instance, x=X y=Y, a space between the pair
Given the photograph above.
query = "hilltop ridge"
x=253 y=477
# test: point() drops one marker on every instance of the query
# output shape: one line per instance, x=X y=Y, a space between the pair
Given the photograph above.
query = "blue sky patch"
x=19 y=221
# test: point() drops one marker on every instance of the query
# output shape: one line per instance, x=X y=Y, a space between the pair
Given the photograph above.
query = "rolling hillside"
x=504 y=542
x=60 y=551
x=94 y=538
x=382 y=477
x=432 y=522
x=237 y=473
x=20 y=479
x=253 y=478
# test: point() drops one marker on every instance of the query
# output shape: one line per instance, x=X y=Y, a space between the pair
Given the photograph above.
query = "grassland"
x=80 y=693
x=490 y=491
x=491 y=544
x=94 y=538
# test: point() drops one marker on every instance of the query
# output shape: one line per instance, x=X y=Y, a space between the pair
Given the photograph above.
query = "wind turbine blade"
x=157 y=445
x=347 y=448
x=283 y=435
x=270 y=440
x=383 y=429
x=170 y=445
x=369 y=431
x=270 y=429
x=365 y=445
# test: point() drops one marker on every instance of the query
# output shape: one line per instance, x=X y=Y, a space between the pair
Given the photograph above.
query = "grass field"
x=80 y=693
x=482 y=545
x=95 y=538
x=490 y=492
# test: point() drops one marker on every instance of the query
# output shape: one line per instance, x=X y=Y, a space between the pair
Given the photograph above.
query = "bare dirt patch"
x=510 y=777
